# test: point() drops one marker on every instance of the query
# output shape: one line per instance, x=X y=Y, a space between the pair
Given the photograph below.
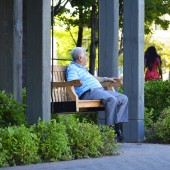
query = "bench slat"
x=89 y=103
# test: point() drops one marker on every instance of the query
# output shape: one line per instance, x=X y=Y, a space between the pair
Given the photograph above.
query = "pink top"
x=153 y=74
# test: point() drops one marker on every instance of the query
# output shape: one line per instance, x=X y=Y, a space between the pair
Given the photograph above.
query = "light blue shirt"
x=77 y=72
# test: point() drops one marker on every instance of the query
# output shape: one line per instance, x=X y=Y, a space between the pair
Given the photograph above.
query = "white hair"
x=77 y=52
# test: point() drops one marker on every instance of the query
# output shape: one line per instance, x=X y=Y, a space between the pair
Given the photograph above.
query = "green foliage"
x=3 y=155
x=157 y=96
x=65 y=40
x=24 y=96
x=157 y=119
x=88 y=117
x=163 y=126
x=53 y=141
x=11 y=112
x=154 y=10
x=150 y=130
x=63 y=138
x=65 y=44
x=110 y=146
x=159 y=132
x=149 y=117
x=84 y=138
x=18 y=145
x=53 y=144
x=87 y=139
x=80 y=13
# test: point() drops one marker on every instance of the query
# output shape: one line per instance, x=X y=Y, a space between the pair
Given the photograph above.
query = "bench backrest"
x=59 y=75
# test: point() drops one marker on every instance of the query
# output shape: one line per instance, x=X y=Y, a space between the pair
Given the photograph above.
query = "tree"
x=93 y=39
x=59 y=6
x=83 y=13
x=154 y=12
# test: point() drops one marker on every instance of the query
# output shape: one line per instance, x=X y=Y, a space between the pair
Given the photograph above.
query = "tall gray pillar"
x=18 y=46
x=108 y=41
x=134 y=68
x=38 y=17
x=11 y=47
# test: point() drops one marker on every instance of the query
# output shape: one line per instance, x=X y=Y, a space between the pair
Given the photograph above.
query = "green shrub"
x=110 y=145
x=150 y=131
x=157 y=96
x=86 y=139
x=159 y=132
x=89 y=117
x=3 y=155
x=24 y=97
x=151 y=135
x=163 y=126
x=19 y=145
x=148 y=117
x=11 y=112
x=53 y=143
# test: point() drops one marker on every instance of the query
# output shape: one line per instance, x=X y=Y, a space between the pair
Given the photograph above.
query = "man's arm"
x=102 y=79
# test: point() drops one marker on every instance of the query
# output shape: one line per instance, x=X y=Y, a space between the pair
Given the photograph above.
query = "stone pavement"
x=132 y=157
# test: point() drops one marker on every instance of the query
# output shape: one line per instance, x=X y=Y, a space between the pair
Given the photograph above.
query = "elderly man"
x=116 y=104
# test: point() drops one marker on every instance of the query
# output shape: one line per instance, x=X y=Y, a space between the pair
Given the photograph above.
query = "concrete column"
x=134 y=68
x=11 y=47
x=18 y=38
x=38 y=17
x=108 y=41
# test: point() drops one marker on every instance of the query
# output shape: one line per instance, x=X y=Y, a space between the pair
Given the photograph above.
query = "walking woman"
x=153 y=64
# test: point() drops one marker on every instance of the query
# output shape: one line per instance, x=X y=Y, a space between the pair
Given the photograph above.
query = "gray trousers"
x=116 y=104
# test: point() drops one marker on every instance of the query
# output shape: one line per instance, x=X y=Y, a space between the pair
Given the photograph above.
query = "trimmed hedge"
x=55 y=141
x=11 y=112
x=157 y=111
x=157 y=96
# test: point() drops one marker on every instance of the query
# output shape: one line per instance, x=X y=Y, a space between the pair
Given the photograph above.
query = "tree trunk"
x=80 y=31
x=93 y=40
x=80 y=36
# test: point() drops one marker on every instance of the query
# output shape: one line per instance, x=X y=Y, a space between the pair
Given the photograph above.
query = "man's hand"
x=117 y=81
x=111 y=79
x=106 y=79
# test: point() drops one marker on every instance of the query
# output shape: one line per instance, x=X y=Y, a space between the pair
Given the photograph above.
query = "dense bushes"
x=162 y=126
x=18 y=146
x=88 y=139
x=54 y=141
x=157 y=96
x=157 y=111
x=65 y=137
x=11 y=112
x=84 y=138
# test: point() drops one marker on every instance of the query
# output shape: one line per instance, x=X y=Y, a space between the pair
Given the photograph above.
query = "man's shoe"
x=120 y=137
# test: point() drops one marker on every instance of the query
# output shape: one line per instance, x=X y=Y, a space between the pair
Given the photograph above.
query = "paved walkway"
x=132 y=157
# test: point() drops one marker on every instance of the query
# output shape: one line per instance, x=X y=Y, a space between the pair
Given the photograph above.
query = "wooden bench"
x=64 y=98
